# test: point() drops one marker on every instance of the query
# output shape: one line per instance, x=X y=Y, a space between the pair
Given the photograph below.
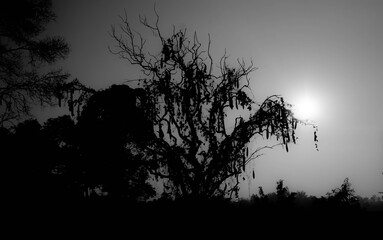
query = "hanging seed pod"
x=70 y=104
x=231 y=103
x=161 y=133
x=253 y=174
x=272 y=129
x=243 y=162
x=169 y=129
x=247 y=152
x=287 y=148
x=267 y=132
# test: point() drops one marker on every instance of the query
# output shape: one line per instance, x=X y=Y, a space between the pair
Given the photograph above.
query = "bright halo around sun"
x=307 y=107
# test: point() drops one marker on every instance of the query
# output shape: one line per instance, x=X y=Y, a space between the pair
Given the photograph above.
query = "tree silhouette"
x=343 y=197
x=64 y=159
x=282 y=191
x=61 y=134
x=109 y=128
x=285 y=199
x=188 y=101
x=23 y=55
x=60 y=130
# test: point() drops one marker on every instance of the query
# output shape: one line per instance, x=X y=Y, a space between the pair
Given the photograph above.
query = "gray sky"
x=327 y=52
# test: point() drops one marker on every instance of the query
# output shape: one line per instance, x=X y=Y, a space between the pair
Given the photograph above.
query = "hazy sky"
x=328 y=52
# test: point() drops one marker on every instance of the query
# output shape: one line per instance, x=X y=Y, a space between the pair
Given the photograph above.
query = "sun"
x=306 y=108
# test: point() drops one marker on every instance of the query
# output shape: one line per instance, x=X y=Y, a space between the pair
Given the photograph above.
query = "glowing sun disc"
x=306 y=108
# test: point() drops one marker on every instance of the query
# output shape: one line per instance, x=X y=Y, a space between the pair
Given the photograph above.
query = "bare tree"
x=23 y=55
x=187 y=99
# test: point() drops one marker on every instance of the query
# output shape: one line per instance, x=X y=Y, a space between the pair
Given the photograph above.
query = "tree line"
x=173 y=127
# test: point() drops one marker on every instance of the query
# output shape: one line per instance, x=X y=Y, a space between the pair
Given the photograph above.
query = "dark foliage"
x=110 y=127
x=339 y=200
x=91 y=158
